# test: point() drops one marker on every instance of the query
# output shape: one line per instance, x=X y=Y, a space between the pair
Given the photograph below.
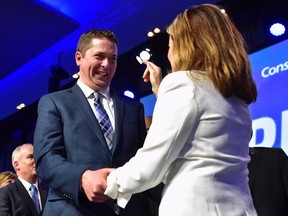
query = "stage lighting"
x=277 y=29
x=21 y=106
x=76 y=75
x=157 y=30
x=150 y=34
x=129 y=94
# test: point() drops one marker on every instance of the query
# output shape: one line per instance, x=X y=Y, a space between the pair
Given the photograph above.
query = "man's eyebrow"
x=30 y=155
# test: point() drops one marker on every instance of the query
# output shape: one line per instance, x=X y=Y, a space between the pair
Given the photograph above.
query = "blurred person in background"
x=18 y=198
x=6 y=178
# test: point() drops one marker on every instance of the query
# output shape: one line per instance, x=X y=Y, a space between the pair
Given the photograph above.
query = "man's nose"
x=105 y=62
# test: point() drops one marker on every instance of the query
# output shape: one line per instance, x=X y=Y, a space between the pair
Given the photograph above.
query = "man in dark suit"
x=268 y=181
x=16 y=198
x=70 y=147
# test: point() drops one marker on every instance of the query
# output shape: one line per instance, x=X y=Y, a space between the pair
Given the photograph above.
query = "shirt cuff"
x=112 y=190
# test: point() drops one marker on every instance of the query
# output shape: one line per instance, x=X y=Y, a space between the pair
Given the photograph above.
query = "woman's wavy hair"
x=206 y=39
x=7 y=175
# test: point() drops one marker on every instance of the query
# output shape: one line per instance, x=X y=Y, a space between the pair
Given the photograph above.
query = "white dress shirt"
x=198 y=146
x=27 y=186
x=106 y=101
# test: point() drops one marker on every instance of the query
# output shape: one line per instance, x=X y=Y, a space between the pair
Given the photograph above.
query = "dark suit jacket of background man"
x=268 y=181
x=69 y=113
x=14 y=197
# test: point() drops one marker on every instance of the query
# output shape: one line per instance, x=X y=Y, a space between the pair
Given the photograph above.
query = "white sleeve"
x=174 y=116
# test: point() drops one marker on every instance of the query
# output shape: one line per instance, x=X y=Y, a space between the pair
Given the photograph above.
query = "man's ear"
x=16 y=165
x=78 y=57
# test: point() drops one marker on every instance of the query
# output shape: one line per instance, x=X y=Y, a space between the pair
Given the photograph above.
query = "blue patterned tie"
x=34 y=196
x=104 y=121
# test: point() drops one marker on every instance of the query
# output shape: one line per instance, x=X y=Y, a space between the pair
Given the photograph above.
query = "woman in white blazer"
x=198 y=140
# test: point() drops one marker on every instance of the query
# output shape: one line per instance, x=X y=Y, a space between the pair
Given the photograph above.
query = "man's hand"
x=153 y=73
x=94 y=184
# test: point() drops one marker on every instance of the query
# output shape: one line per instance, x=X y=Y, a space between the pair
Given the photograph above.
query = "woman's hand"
x=152 y=73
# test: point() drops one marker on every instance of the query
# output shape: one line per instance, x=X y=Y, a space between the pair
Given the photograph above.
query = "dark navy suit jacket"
x=68 y=141
x=15 y=200
x=268 y=181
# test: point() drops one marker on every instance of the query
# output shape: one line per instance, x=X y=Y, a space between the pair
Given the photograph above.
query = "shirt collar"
x=88 y=91
x=27 y=184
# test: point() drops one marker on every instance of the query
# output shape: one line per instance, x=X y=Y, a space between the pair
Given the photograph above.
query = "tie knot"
x=98 y=96
x=33 y=188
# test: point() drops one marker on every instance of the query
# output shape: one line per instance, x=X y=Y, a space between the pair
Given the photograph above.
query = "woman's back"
x=211 y=169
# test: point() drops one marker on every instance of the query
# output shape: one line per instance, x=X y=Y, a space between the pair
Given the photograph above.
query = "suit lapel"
x=87 y=113
x=119 y=113
x=43 y=197
x=21 y=190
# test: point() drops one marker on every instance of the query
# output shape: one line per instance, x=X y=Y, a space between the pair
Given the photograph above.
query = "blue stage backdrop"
x=270 y=112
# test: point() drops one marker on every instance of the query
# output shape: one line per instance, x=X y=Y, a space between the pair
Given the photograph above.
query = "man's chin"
x=103 y=84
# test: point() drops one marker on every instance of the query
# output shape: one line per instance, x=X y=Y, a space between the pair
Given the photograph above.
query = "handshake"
x=94 y=184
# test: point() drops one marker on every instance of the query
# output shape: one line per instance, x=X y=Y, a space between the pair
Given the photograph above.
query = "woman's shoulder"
x=179 y=78
x=194 y=75
x=175 y=78
x=175 y=81
x=176 y=74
